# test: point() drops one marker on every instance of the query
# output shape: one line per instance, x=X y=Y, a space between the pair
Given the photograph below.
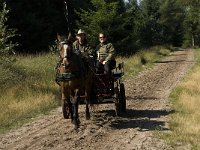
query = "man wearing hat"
x=81 y=45
x=82 y=48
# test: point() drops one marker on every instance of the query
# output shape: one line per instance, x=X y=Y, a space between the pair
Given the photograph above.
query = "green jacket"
x=105 y=52
x=82 y=48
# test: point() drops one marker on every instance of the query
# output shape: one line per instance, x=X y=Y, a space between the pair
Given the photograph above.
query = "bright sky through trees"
x=128 y=0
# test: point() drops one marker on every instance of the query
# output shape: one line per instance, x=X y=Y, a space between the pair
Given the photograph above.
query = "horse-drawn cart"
x=110 y=88
x=76 y=82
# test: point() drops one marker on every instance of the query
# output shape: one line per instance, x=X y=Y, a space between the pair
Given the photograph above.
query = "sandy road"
x=147 y=111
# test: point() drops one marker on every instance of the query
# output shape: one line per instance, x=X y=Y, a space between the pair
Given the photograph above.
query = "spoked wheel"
x=117 y=101
x=66 y=109
x=122 y=98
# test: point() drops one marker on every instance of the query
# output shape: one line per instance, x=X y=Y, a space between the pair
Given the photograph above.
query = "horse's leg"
x=87 y=111
x=69 y=105
x=75 y=100
x=66 y=108
x=87 y=100
x=66 y=104
x=71 y=112
x=76 y=120
x=87 y=115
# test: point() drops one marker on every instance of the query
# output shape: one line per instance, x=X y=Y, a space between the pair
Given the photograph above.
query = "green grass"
x=28 y=85
x=185 y=122
x=28 y=88
x=143 y=59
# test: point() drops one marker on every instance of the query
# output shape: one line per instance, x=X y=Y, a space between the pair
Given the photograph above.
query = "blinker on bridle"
x=66 y=42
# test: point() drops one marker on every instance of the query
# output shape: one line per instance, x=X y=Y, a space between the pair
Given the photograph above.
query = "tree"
x=191 y=22
x=103 y=17
x=151 y=29
x=37 y=22
x=6 y=46
x=171 y=19
x=132 y=21
x=189 y=2
x=119 y=22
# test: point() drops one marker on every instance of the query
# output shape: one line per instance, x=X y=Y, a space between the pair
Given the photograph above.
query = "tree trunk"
x=192 y=40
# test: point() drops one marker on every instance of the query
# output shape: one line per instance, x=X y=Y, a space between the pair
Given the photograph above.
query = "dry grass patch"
x=29 y=90
x=185 y=122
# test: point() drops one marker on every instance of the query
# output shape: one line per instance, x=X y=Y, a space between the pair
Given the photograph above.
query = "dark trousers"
x=106 y=68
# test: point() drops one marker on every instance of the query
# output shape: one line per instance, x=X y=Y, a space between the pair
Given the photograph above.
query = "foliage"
x=151 y=29
x=37 y=22
x=192 y=24
x=101 y=18
x=6 y=46
x=172 y=16
x=129 y=26
x=132 y=22
x=111 y=18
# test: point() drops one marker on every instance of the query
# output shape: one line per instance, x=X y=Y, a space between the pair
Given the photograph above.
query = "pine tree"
x=37 y=22
x=191 y=22
x=133 y=20
x=103 y=17
x=151 y=29
x=172 y=16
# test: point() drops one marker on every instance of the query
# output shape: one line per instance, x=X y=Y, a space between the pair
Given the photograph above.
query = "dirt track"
x=147 y=111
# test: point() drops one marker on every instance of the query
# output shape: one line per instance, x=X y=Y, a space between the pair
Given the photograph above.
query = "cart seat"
x=118 y=74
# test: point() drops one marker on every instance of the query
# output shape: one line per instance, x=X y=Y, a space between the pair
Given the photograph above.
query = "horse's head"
x=64 y=47
x=69 y=61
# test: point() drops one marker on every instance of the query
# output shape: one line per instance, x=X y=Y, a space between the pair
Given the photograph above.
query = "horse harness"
x=66 y=76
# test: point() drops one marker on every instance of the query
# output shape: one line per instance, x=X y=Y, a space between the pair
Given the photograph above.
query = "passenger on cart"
x=105 y=56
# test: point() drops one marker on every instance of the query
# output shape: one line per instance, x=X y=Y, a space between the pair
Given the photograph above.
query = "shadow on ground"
x=143 y=119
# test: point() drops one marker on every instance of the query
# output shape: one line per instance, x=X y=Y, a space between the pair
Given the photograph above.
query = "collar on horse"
x=67 y=76
x=60 y=77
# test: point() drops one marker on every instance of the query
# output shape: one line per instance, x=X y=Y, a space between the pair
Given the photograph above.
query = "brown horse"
x=75 y=81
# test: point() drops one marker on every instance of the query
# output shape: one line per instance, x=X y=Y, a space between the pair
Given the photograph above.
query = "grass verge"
x=27 y=89
x=143 y=59
x=185 y=122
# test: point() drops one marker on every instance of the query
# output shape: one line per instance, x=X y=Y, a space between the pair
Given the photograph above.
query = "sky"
x=127 y=1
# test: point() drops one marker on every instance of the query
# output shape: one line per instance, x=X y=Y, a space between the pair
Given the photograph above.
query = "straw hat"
x=80 y=31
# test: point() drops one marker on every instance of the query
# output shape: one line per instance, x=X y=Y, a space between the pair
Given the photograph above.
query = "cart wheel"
x=66 y=109
x=122 y=98
x=117 y=102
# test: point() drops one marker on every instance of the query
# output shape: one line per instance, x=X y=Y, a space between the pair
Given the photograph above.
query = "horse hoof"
x=66 y=117
x=76 y=128
x=87 y=117
x=76 y=123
